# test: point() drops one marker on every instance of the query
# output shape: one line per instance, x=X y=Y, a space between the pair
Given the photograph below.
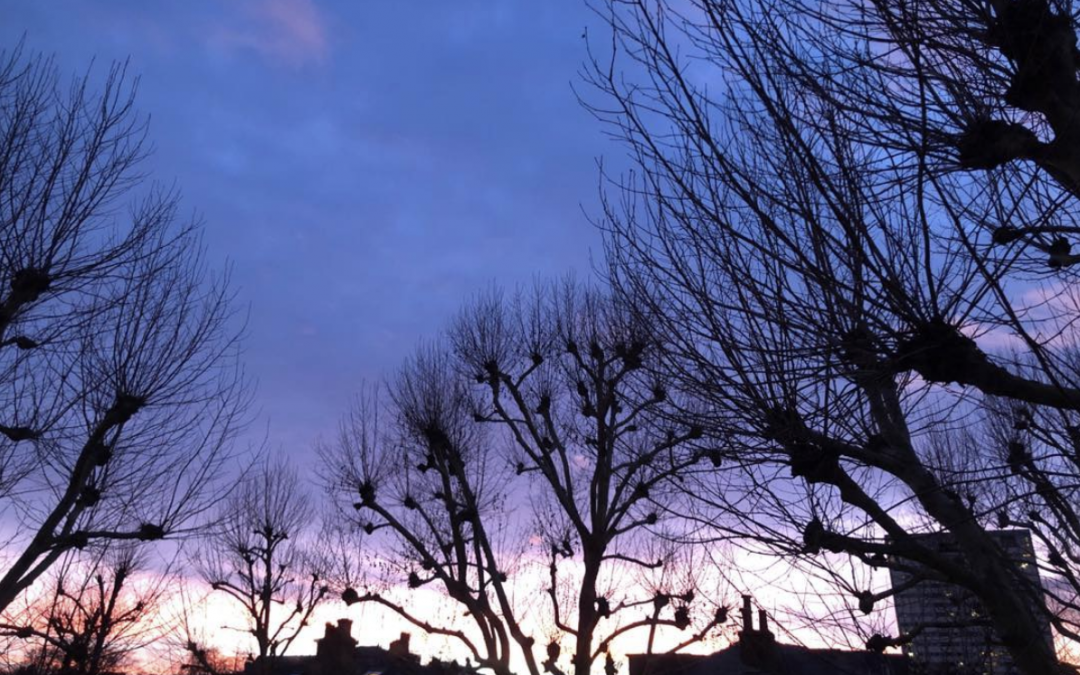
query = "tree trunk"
x=586 y=623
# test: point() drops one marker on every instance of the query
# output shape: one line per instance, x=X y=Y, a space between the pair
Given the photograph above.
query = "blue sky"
x=364 y=165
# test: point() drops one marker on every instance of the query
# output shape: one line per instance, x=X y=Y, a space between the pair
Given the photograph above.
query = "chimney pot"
x=763 y=621
x=747 y=615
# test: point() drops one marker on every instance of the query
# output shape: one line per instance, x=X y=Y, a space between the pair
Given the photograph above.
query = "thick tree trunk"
x=586 y=624
x=1014 y=617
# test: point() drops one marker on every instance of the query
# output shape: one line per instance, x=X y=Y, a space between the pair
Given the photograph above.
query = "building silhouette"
x=339 y=653
x=952 y=633
x=757 y=652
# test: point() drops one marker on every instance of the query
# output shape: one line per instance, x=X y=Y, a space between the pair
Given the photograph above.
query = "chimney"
x=757 y=647
x=747 y=615
x=400 y=647
x=334 y=650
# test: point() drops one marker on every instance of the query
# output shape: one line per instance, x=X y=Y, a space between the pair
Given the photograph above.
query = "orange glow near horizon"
x=789 y=597
x=374 y=625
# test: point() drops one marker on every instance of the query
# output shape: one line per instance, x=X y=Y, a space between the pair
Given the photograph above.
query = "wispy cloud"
x=287 y=32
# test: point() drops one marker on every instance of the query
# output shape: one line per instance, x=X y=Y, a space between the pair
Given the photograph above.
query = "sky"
x=363 y=166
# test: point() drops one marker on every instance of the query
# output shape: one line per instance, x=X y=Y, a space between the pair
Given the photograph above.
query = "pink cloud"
x=289 y=32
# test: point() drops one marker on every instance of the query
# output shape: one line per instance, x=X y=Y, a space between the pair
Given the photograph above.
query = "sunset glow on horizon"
x=563 y=338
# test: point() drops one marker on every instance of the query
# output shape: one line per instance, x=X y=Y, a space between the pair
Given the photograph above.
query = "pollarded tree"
x=569 y=377
x=119 y=385
x=430 y=477
x=187 y=644
x=987 y=85
x=97 y=611
x=834 y=268
x=550 y=395
x=256 y=554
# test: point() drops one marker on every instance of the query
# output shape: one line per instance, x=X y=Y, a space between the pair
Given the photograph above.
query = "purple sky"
x=365 y=166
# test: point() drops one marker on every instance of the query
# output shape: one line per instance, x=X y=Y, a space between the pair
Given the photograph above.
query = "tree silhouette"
x=550 y=394
x=256 y=555
x=96 y=612
x=830 y=229
x=118 y=379
x=186 y=646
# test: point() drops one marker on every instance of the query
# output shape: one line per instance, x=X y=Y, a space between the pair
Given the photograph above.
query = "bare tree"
x=208 y=661
x=986 y=85
x=186 y=646
x=830 y=232
x=551 y=392
x=568 y=375
x=118 y=378
x=257 y=556
x=431 y=481
x=97 y=612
